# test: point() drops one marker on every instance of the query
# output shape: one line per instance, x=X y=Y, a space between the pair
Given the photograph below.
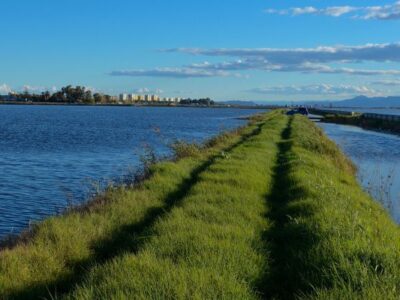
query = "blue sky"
x=225 y=49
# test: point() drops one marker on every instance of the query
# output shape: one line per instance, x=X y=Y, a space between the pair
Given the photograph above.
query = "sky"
x=260 y=50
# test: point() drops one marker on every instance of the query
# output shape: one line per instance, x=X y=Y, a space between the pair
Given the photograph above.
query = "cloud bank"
x=334 y=11
x=306 y=67
x=388 y=82
x=320 y=60
x=317 y=89
x=183 y=72
x=369 y=52
x=379 y=12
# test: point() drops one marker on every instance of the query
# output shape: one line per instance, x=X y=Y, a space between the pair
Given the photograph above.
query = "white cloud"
x=333 y=11
x=337 y=11
x=304 y=10
x=38 y=89
x=148 y=91
x=184 y=72
x=324 y=69
x=29 y=88
x=385 y=12
x=382 y=12
x=388 y=82
x=142 y=90
x=264 y=65
x=323 y=54
x=5 y=89
x=305 y=60
x=317 y=89
x=276 y=11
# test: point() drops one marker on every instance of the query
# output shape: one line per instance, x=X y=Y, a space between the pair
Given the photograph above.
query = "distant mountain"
x=238 y=102
x=359 y=101
x=363 y=101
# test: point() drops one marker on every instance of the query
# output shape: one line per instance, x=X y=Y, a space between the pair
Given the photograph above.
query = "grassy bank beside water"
x=270 y=211
x=389 y=126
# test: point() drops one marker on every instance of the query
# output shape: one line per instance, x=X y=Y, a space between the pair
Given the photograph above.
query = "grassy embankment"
x=277 y=214
x=64 y=249
x=389 y=126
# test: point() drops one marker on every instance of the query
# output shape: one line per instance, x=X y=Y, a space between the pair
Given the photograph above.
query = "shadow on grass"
x=288 y=240
x=126 y=239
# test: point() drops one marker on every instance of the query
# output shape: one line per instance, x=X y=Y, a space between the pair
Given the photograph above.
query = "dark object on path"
x=302 y=111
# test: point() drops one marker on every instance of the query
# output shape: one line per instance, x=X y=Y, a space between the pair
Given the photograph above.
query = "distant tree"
x=46 y=96
x=202 y=101
x=87 y=95
x=99 y=98
x=67 y=94
x=108 y=99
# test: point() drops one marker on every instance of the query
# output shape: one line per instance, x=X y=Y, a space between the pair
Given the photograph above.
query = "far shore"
x=137 y=105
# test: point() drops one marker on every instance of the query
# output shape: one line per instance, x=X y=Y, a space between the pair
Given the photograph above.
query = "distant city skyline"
x=227 y=50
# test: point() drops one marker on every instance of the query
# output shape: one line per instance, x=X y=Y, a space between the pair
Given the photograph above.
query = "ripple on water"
x=52 y=154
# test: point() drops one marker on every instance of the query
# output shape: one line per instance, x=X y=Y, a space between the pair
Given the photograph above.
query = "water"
x=383 y=111
x=377 y=156
x=51 y=155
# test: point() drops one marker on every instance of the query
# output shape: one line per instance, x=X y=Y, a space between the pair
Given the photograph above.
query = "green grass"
x=353 y=248
x=211 y=244
x=272 y=211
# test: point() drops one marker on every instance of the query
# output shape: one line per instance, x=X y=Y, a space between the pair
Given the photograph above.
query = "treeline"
x=68 y=94
x=83 y=95
x=202 y=101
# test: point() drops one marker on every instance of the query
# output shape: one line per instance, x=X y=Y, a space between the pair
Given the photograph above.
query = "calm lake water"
x=52 y=156
x=377 y=156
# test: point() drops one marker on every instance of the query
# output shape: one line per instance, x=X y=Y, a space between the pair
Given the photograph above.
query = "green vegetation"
x=272 y=210
x=82 y=95
x=68 y=94
x=334 y=241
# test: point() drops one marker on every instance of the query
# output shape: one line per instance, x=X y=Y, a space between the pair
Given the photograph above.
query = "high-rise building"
x=133 y=97
x=123 y=97
x=155 y=98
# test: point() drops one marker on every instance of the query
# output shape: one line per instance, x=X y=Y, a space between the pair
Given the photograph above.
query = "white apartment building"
x=134 y=97
x=148 y=98
x=123 y=97
x=155 y=98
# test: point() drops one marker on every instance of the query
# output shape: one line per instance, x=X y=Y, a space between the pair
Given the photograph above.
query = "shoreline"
x=141 y=174
x=382 y=126
x=134 y=105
